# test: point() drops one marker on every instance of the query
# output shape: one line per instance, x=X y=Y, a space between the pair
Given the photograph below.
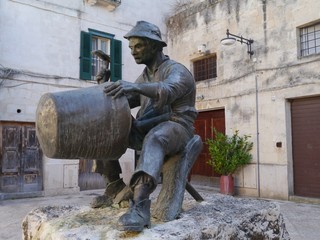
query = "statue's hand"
x=119 y=88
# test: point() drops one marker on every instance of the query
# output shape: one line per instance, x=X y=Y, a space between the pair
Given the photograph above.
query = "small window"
x=310 y=40
x=90 y=64
x=205 y=68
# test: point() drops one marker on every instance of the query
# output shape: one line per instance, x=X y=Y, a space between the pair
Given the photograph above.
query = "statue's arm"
x=177 y=81
x=122 y=87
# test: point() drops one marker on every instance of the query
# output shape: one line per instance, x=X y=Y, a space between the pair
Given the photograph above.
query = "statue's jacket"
x=175 y=99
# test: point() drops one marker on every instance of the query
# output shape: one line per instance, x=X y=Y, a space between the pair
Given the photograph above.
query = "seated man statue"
x=165 y=92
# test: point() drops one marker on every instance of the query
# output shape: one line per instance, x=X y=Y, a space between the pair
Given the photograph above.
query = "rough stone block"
x=218 y=217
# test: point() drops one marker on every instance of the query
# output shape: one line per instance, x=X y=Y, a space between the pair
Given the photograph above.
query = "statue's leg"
x=116 y=190
x=163 y=140
x=111 y=172
x=138 y=215
x=143 y=183
x=175 y=171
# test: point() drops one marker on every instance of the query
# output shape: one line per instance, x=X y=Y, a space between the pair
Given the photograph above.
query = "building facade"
x=272 y=94
x=45 y=47
x=267 y=88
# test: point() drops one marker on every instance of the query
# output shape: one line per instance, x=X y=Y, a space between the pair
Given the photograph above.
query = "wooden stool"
x=175 y=172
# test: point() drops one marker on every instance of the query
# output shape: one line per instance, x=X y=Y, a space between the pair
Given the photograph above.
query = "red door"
x=204 y=124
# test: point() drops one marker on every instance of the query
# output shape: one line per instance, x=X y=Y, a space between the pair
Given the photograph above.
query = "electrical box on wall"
x=70 y=175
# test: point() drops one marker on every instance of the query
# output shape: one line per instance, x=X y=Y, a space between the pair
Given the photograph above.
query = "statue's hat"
x=146 y=30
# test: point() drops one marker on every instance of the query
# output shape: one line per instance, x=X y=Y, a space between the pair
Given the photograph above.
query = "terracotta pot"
x=227 y=185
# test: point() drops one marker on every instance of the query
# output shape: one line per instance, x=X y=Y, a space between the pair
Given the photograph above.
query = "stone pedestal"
x=218 y=217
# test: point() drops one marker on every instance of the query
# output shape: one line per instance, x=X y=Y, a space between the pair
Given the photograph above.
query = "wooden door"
x=31 y=161
x=204 y=124
x=305 y=115
x=21 y=159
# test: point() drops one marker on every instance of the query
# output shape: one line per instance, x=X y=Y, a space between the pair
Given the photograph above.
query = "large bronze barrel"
x=83 y=123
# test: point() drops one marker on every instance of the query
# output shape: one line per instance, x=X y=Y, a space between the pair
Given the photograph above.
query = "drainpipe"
x=257 y=133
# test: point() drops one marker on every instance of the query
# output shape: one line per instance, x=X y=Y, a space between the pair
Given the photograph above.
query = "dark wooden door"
x=204 y=124
x=21 y=159
x=305 y=115
x=31 y=161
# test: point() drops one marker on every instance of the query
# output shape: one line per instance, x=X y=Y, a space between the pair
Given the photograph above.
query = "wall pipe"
x=257 y=126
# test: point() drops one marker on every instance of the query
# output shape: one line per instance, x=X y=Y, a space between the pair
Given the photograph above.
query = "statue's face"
x=142 y=51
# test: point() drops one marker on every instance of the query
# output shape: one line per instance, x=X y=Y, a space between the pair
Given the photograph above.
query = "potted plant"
x=228 y=153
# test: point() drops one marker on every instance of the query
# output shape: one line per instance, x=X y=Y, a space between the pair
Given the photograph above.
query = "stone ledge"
x=218 y=217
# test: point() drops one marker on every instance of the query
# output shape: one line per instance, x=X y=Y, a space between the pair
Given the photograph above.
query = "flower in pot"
x=228 y=154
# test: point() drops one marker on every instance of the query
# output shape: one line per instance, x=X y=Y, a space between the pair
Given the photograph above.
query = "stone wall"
x=255 y=92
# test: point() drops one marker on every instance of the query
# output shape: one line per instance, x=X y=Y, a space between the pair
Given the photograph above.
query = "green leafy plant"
x=228 y=153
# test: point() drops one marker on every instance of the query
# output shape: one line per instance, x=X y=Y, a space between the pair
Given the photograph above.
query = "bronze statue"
x=166 y=93
x=96 y=123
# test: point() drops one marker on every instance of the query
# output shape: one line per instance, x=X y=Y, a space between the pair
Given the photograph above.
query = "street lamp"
x=231 y=39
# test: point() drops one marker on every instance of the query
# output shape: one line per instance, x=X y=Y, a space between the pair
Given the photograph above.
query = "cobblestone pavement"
x=302 y=220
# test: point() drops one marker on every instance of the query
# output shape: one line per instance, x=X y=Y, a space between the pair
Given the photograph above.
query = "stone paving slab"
x=302 y=219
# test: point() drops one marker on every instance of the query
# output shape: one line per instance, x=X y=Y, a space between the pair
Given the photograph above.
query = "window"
x=310 y=40
x=205 y=68
x=98 y=43
x=90 y=64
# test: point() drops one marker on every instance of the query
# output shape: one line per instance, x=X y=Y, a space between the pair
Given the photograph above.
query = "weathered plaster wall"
x=41 y=46
x=40 y=49
x=254 y=92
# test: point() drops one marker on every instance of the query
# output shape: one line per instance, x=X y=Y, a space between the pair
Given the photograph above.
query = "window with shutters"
x=205 y=68
x=90 y=64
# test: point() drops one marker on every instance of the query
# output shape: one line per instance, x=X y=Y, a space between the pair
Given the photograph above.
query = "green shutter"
x=85 y=56
x=116 y=60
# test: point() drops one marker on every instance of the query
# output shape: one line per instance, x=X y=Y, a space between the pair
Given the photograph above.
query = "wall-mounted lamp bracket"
x=232 y=38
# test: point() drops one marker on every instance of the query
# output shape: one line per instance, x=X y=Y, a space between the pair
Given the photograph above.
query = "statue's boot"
x=106 y=200
x=138 y=215
x=123 y=197
x=116 y=189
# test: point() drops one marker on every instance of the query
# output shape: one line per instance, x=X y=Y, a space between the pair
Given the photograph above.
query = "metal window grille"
x=205 y=68
x=310 y=40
